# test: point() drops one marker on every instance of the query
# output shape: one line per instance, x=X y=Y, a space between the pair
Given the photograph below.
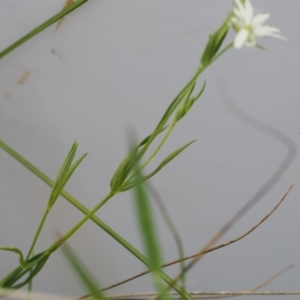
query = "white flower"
x=249 y=26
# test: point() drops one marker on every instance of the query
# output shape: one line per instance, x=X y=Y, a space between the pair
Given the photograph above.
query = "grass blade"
x=147 y=228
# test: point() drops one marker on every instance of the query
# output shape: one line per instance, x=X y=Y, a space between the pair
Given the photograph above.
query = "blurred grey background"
x=118 y=64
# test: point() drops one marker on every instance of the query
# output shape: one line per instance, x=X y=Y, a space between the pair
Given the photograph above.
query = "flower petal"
x=241 y=38
x=259 y=19
x=266 y=31
x=248 y=11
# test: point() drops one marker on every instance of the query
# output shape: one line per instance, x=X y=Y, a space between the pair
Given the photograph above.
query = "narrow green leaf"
x=67 y=176
x=118 y=177
x=17 y=251
x=160 y=166
x=126 y=165
x=178 y=99
x=172 y=228
x=84 y=275
x=188 y=103
x=61 y=173
x=147 y=228
x=32 y=273
x=33 y=266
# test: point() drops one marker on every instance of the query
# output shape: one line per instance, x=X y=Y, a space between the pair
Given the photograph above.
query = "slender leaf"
x=188 y=103
x=147 y=228
x=172 y=228
x=68 y=175
x=20 y=271
x=127 y=164
x=160 y=166
x=17 y=251
x=60 y=179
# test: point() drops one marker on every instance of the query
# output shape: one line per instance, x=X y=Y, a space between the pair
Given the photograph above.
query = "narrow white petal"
x=240 y=38
x=258 y=20
x=273 y=29
x=268 y=31
x=248 y=11
x=239 y=4
x=261 y=31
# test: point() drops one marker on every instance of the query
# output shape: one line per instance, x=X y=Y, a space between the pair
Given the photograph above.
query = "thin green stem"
x=167 y=134
x=29 y=290
x=37 y=234
x=42 y=27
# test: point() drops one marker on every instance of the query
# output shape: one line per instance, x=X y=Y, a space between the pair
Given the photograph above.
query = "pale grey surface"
x=119 y=64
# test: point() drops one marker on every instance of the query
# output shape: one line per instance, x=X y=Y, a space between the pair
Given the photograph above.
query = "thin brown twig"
x=273 y=277
x=261 y=285
x=210 y=249
x=216 y=294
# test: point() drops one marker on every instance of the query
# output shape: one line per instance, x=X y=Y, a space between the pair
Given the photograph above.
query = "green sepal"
x=214 y=43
